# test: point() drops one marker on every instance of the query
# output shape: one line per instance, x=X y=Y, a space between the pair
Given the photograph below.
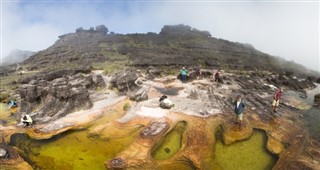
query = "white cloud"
x=289 y=29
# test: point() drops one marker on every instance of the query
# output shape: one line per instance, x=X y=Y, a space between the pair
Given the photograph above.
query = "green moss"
x=126 y=106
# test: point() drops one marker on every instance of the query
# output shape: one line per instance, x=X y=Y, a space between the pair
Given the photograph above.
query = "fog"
x=286 y=29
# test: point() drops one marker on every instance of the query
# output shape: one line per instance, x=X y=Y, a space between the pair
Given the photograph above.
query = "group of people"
x=239 y=105
x=184 y=73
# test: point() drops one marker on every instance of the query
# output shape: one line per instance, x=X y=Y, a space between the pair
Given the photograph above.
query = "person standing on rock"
x=276 y=99
x=183 y=74
x=238 y=109
x=217 y=76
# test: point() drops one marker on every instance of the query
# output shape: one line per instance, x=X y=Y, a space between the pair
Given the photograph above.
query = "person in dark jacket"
x=239 y=108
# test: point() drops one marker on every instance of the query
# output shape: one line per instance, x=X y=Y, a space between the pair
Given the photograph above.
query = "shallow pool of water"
x=168 y=91
x=250 y=154
x=71 y=150
x=311 y=118
x=171 y=144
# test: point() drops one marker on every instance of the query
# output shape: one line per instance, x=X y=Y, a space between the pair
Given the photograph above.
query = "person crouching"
x=165 y=103
x=26 y=120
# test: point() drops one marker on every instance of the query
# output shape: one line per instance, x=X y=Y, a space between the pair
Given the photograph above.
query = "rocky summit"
x=95 y=94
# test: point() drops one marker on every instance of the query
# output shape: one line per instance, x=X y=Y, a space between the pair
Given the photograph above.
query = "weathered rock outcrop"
x=124 y=81
x=45 y=100
x=10 y=159
x=49 y=76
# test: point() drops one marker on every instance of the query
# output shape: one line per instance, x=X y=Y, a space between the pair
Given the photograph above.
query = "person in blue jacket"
x=12 y=104
x=184 y=73
x=239 y=108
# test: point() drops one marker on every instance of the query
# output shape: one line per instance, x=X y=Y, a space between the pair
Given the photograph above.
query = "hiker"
x=26 y=120
x=238 y=109
x=217 y=76
x=165 y=103
x=276 y=99
x=12 y=104
x=197 y=71
x=183 y=74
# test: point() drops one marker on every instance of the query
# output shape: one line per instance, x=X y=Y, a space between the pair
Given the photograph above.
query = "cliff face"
x=174 y=45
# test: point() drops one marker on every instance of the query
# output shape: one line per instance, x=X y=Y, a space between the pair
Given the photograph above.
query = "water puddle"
x=171 y=143
x=250 y=154
x=168 y=91
x=311 y=118
x=71 y=150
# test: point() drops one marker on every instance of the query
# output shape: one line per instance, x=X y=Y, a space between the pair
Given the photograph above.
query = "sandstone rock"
x=153 y=72
x=317 y=98
x=117 y=163
x=98 y=81
x=124 y=81
x=29 y=92
x=45 y=100
x=140 y=95
x=154 y=129
x=233 y=132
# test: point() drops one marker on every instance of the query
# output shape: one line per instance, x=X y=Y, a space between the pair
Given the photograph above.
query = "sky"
x=288 y=29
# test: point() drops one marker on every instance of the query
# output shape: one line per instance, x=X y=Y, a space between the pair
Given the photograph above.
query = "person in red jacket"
x=217 y=76
x=276 y=99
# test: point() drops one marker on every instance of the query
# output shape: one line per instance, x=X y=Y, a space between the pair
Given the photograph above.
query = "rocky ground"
x=201 y=106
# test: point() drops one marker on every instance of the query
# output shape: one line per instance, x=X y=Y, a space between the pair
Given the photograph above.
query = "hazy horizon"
x=289 y=30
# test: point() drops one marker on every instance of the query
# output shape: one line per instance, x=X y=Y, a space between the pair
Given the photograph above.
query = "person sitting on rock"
x=276 y=99
x=165 y=103
x=183 y=74
x=12 y=104
x=238 y=109
x=217 y=76
x=26 y=120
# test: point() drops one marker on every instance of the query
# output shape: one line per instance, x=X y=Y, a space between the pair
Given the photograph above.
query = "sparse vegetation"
x=126 y=106
x=4 y=96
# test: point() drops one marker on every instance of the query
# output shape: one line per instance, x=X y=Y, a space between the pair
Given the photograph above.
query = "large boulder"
x=124 y=81
x=153 y=72
x=139 y=95
x=317 y=98
x=47 y=100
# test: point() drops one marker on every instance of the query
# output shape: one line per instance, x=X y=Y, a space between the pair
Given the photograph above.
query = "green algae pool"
x=71 y=150
x=250 y=154
x=171 y=143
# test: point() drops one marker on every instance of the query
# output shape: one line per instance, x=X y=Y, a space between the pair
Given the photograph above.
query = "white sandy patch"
x=152 y=112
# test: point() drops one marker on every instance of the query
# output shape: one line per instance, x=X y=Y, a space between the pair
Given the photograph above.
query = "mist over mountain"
x=175 y=45
x=16 y=56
